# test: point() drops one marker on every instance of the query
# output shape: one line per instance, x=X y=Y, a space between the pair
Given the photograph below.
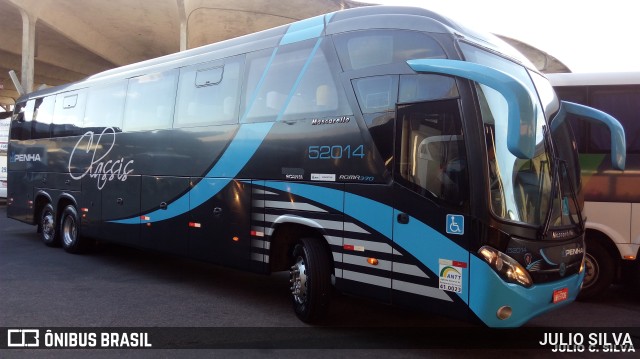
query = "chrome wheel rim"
x=69 y=230
x=48 y=226
x=299 y=281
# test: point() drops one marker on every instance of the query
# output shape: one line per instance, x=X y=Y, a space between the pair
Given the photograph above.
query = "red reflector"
x=560 y=295
x=348 y=247
x=84 y=209
x=194 y=225
x=459 y=264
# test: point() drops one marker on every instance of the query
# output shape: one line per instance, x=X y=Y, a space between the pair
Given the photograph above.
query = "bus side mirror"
x=618 y=142
x=521 y=128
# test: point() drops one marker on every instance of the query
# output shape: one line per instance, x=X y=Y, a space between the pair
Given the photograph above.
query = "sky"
x=586 y=36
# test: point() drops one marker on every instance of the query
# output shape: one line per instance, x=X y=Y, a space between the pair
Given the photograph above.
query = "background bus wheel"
x=599 y=271
x=48 y=227
x=310 y=280
x=69 y=231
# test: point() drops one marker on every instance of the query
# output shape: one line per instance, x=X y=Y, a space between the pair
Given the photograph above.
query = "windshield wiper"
x=554 y=181
x=556 y=191
x=573 y=194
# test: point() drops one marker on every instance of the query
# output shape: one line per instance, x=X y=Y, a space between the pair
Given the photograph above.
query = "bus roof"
x=594 y=78
x=368 y=17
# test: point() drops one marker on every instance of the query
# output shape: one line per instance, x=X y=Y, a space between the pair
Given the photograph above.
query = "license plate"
x=560 y=295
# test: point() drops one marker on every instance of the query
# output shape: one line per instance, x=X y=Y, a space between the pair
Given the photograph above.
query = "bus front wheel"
x=310 y=279
x=599 y=271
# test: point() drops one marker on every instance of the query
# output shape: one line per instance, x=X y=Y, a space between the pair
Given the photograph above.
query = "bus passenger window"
x=431 y=150
x=363 y=49
x=105 y=106
x=68 y=114
x=208 y=94
x=21 y=121
x=43 y=117
x=150 y=101
x=294 y=82
x=271 y=76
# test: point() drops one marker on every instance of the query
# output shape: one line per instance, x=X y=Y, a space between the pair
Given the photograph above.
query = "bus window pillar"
x=28 y=49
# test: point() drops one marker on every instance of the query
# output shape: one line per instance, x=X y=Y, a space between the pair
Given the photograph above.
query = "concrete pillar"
x=182 y=14
x=28 y=49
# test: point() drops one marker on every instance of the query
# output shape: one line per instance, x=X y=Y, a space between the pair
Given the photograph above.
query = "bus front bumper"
x=503 y=305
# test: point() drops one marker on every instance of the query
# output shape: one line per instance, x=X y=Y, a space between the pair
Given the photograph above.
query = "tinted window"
x=21 y=121
x=377 y=93
x=68 y=113
x=623 y=104
x=362 y=49
x=625 y=107
x=43 y=117
x=208 y=94
x=105 y=106
x=316 y=94
x=150 y=101
x=431 y=151
x=414 y=88
x=295 y=80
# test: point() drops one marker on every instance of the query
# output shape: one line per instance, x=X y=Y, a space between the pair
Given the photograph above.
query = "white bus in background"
x=612 y=198
x=4 y=140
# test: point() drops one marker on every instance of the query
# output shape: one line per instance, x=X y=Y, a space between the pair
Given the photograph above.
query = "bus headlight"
x=508 y=268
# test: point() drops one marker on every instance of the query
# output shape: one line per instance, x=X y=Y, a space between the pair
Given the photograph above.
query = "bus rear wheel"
x=47 y=226
x=69 y=230
x=310 y=277
x=599 y=271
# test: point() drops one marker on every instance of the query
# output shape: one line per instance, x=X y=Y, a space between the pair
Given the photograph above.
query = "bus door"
x=220 y=221
x=431 y=192
x=165 y=200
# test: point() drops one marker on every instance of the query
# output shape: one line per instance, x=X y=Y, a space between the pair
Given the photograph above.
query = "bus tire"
x=47 y=226
x=70 y=230
x=599 y=271
x=310 y=277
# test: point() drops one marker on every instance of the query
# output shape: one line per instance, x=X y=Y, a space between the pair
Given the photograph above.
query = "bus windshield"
x=530 y=191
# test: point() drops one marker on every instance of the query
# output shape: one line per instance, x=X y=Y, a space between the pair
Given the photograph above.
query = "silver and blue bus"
x=386 y=152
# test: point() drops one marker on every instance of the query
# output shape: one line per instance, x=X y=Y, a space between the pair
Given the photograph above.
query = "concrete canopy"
x=78 y=38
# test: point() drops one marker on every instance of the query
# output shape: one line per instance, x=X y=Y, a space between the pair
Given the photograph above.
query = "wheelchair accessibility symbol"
x=455 y=224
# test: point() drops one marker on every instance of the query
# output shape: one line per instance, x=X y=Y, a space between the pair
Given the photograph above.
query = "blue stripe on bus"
x=304 y=30
x=241 y=149
x=239 y=152
x=429 y=248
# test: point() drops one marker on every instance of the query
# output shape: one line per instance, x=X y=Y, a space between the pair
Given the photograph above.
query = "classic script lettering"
x=100 y=168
